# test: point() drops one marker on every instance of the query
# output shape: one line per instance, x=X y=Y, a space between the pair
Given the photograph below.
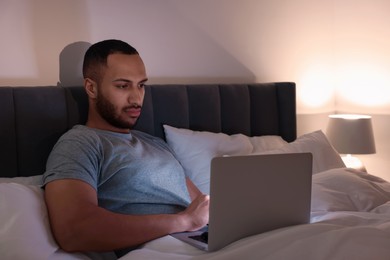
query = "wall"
x=326 y=47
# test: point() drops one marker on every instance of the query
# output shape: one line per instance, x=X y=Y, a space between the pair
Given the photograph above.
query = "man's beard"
x=107 y=111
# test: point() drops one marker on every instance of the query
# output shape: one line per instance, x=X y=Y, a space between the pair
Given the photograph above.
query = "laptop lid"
x=257 y=193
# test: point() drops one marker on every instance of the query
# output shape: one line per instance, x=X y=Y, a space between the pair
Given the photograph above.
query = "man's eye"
x=141 y=85
x=121 y=86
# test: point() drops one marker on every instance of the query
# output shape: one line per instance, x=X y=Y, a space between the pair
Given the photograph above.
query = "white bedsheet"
x=350 y=220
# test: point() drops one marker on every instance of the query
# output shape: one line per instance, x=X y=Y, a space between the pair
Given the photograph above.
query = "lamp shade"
x=351 y=134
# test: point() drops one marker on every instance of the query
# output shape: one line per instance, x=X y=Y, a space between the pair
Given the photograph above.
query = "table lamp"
x=351 y=134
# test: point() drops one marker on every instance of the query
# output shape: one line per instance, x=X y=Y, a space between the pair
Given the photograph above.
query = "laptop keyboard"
x=204 y=237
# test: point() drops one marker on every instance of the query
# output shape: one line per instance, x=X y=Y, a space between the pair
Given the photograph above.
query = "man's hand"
x=197 y=214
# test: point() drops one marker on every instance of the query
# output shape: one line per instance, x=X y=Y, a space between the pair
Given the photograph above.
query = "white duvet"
x=350 y=220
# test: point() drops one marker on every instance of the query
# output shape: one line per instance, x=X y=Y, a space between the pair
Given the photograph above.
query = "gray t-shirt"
x=132 y=173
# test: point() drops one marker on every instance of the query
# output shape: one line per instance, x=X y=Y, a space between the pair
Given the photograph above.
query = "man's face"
x=121 y=91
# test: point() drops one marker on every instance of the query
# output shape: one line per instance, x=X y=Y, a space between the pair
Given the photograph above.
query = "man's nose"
x=136 y=96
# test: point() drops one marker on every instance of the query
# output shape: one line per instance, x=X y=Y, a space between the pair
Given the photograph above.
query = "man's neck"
x=106 y=127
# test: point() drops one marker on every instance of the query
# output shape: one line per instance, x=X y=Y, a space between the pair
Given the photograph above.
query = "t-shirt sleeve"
x=74 y=156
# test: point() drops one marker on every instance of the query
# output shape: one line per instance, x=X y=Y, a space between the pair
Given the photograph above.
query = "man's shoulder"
x=77 y=129
x=80 y=132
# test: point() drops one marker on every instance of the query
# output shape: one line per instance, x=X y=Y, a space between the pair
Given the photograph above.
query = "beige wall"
x=336 y=51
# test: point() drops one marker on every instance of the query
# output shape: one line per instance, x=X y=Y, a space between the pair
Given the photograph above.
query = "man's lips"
x=133 y=111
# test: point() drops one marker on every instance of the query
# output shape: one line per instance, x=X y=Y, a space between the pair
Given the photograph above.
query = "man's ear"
x=90 y=87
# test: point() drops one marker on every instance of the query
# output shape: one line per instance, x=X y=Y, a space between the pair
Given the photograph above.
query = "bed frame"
x=33 y=118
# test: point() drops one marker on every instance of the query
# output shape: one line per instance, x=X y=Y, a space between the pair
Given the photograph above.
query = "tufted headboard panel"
x=33 y=118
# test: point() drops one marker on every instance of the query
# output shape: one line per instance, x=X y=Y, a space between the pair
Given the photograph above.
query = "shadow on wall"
x=71 y=63
x=55 y=24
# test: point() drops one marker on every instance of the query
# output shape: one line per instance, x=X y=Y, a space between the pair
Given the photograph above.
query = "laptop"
x=253 y=194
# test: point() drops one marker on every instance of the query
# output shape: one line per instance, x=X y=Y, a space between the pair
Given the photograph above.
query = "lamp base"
x=353 y=162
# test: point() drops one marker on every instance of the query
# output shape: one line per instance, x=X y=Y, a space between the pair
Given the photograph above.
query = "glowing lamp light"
x=351 y=134
x=315 y=89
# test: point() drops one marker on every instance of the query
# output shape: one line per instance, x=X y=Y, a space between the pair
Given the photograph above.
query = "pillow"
x=195 y=149
x=325 y=157
x=32 y=180
x=347 y=190
x=25 y=232
x=266 y=143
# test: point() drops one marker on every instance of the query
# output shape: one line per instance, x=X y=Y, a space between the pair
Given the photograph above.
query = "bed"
x=350 y=212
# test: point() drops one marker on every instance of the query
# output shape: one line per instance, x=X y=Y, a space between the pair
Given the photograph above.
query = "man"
x=108 y=187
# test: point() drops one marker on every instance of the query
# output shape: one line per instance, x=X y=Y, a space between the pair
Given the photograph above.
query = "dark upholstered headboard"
x=33 y=118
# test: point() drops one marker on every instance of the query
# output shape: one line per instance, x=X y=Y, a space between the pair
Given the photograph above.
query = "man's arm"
x=79 y=224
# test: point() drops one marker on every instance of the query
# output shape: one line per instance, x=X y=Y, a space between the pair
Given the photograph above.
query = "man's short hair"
x=96 y=56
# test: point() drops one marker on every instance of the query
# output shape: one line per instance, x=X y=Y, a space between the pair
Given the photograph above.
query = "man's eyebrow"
x=128 y=81
x=144 y=80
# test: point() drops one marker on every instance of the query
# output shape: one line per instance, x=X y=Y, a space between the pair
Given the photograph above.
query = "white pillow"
x=266 y=143
x=325 y=157
x=346 y=189
x=195 y=149
x=25 y=232
x=32 y=180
